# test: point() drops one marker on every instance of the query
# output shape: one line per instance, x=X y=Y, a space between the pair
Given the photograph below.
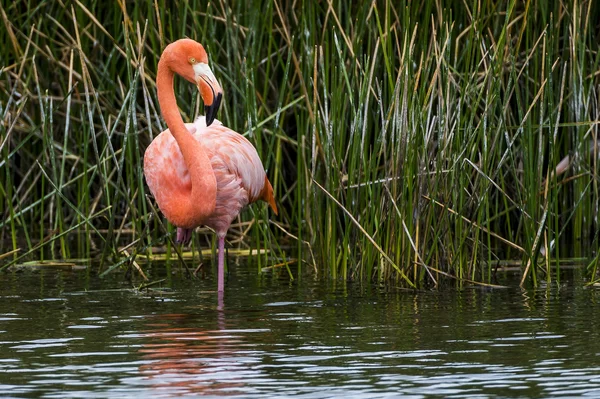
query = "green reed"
x=412 y=143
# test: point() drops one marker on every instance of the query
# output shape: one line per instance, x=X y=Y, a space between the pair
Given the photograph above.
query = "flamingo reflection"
x=188 y=359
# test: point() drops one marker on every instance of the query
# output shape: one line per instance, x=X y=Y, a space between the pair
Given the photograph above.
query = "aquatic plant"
x=411 y=143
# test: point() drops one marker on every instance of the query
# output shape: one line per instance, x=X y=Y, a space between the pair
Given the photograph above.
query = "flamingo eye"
x=192 y=60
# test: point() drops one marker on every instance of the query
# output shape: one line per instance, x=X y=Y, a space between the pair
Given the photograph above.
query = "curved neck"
x=202 y=199
x=168 y=104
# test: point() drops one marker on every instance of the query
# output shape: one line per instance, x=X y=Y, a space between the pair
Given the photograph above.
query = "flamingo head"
x=189 y=59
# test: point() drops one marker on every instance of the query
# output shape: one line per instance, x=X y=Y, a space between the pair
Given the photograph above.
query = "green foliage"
x=405 y=142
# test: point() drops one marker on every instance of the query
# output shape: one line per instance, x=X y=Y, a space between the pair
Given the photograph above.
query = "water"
x=65 y=335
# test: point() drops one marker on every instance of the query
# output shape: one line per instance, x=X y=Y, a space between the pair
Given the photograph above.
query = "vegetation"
x=413 y=143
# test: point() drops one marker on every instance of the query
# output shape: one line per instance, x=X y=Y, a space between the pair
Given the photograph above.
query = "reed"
x=407 y=143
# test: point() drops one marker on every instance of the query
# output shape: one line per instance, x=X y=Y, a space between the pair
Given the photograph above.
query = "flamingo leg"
x=184 y=236
x=221 y=272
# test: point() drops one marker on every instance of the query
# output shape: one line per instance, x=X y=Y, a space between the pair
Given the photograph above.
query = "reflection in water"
x=191 y=359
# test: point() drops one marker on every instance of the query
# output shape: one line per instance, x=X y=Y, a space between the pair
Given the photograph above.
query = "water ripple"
x=294 y=341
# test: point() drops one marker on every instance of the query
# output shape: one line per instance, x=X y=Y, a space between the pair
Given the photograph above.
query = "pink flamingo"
x=200 y=173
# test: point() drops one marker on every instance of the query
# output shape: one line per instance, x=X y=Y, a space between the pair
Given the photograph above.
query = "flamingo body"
x=238 y=170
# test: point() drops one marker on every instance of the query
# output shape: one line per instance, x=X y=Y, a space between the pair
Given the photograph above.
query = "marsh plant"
x=413 y=143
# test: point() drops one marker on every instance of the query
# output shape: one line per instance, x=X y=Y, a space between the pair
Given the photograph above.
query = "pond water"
x=63 y=334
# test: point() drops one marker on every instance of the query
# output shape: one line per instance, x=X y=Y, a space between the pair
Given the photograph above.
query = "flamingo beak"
x=211 y=110
x=210 y=90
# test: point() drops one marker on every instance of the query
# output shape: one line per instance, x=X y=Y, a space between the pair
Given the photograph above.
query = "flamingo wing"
x=229 y=149
x=240 y=175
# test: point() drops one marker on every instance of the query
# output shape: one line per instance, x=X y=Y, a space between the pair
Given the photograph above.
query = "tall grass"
x=413 y=143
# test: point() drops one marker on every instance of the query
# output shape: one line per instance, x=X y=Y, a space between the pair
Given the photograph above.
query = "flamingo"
x=200 y=173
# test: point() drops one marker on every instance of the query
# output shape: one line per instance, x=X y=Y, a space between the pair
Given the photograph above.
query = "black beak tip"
x=211 y=110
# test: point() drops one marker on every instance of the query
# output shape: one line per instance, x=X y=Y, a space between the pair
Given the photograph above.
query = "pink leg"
x=221 y=277
x=184 y=236
x=220 y=307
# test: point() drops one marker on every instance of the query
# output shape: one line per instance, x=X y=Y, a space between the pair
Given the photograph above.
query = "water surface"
x=63 y=334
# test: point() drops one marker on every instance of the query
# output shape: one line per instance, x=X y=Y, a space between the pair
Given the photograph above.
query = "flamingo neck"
x=201 y=201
